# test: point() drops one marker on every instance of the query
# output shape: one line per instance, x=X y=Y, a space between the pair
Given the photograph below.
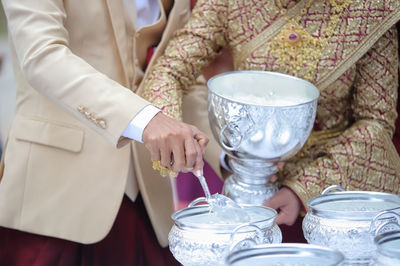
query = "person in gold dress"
x=347 y=48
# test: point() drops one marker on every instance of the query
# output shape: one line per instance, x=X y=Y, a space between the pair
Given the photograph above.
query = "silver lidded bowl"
x=197 y=239
x=349 y=220
x=388 y=249
x=259 y=118
x=285 y=255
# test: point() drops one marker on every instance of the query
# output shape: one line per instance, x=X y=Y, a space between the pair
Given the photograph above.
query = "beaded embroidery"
x=295 y=47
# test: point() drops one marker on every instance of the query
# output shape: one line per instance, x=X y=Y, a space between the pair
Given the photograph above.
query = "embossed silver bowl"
x=259 y=118
x=285 y=255
x=196 y=238
x=349 y=220
x=388 y=249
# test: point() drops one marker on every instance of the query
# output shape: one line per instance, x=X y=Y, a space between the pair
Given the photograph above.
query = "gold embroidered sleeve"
x=363 y=157
x=191 y=49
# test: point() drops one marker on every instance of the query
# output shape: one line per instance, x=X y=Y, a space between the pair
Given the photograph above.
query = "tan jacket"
x=64 y=175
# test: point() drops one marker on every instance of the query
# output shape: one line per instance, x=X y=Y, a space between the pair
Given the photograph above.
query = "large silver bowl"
x=259 y=118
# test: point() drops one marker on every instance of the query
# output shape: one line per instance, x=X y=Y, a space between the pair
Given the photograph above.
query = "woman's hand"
x=287 y=204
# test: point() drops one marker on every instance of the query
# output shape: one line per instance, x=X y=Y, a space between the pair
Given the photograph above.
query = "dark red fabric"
x=192 y=4
x=131 y=241
x=150 y=52
x=189 y=187
x=293 y=233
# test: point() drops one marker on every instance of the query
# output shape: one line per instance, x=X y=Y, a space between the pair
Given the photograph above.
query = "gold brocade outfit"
x=348 y=49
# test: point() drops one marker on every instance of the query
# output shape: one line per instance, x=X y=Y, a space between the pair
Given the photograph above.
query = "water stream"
x=222 y=207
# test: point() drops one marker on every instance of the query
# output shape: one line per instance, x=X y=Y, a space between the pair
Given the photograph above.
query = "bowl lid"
x=353 y=205
x=197 y=218
x=285 y=254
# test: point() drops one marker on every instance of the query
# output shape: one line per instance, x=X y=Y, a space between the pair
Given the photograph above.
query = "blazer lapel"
x=177 y=17
x=116 y=10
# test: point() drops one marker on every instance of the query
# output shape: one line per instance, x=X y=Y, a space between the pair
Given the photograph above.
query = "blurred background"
x=7 y=87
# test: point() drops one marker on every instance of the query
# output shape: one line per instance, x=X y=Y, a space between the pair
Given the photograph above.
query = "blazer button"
x=101 y=123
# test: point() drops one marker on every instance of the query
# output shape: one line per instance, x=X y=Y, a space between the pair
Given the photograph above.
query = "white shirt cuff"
x=137 y=125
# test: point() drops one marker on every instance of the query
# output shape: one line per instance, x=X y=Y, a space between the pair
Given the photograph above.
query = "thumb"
x=281 y=218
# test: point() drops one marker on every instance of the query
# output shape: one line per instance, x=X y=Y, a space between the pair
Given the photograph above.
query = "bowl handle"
x=226 y=146
x=380 y=223
x=330 y=188
x=198 y=200
x=247 y=242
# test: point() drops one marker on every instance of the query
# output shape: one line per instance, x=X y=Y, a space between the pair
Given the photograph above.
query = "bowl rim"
x=362 y=215
x=212 y=79
x=220 y=227
x=285 y=249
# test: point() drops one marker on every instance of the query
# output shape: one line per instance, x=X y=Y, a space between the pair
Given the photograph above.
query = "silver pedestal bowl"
x=259 y=118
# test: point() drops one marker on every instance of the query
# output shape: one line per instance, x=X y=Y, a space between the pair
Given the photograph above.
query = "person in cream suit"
x=70 y=158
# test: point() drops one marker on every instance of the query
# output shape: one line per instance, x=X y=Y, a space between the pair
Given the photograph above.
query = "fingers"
x=199 y=163
x=200 y=137
x=280 y=165
x=287 y=204
x=273 y=178
x=190 y=151
x=166 y=156
x=154 y=152
x=284 y=217
x=178 y=146
x=274 y=202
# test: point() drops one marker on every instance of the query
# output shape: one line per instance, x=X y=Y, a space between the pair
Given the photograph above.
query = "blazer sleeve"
x=192 y=48
x=363 y=157
x=50 y=67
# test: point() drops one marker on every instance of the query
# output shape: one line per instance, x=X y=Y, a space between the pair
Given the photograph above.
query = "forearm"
x=192 y=48
x=49 y=66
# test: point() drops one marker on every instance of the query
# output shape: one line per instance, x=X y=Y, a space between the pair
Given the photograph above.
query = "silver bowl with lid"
x=349 y=220
x=196 y=239
x=388 y=249
x=285 y=255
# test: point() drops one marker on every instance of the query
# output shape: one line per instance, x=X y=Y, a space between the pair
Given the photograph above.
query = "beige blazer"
x=66 y=165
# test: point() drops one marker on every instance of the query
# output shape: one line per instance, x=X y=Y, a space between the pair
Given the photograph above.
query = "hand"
x=273 y=178
x=178 y=146
x=287 y=204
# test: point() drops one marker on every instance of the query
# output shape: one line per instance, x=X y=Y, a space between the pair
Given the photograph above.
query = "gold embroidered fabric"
x=360 y=103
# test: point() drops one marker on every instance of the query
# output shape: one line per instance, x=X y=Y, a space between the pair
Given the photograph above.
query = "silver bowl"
x=259 y=118
x=349 y=220
x=197 y=239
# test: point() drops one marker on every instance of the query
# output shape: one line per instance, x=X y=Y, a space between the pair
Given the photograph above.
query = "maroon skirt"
x=131 y=241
